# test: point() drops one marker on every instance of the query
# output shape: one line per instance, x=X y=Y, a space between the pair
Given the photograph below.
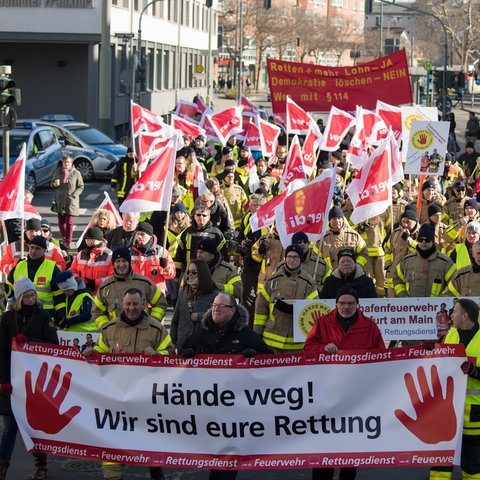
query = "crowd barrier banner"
x=317 y=88
x=414 y=318
x=358 y=408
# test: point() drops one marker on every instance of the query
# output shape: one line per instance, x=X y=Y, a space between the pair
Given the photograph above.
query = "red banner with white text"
x=316 y=88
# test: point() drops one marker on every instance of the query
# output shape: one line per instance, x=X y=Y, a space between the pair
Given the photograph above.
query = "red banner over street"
x=316 y=88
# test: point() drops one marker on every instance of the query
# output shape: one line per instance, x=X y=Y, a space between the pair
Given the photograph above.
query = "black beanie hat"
x=427 y=184
x=335 y=212
x=145 y=227
x=299 y=236
x=122 y=252
x=95 y=233
x=427 y=231
x=295 y=247
x=346 y=290
x=33 y=224
x=39 y=241
x=471 y=202
x=433 y=209
x=410 y=212
x=346 y=252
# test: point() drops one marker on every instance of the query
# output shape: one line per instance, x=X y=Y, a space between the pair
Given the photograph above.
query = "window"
x=392 y=45
x=337 y=3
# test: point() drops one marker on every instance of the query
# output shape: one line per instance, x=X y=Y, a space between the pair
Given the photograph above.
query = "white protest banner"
x=397 y=318
x=427 y=146
x=355 y=408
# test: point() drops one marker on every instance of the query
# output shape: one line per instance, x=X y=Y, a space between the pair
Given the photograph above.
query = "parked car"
x=89 y=135
x=44 y=152
x=91 y=162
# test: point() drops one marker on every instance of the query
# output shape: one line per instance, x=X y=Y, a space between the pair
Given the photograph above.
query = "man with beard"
x=465 y=282
x=124 y=235
x=453 y=209
x=426 y=272
x=462 y=255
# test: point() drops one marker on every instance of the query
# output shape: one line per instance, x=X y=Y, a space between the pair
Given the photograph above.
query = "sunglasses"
x=425 y=240
x=460 y=189
x=201 y=215
x=45 y=230
x=191 y=272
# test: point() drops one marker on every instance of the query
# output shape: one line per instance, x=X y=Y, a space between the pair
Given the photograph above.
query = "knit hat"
x=145 y=227
x=94 y=233
x=426 y=231
x=230 y=163
x=189 y=151
x=33 y=224
x=471 y=202
x=346 y=290
x=45 y=224
x=22 y=285
x=335 y=212
x=473 y=227
x=427 y=184
x=295 y=247
x=39 y=241
x=176 y=191
x=433 y=209
x=121 y=252
x=129 y=150
x=458 y=184
x=226 y=150
x=470 y=145
x=66 y=281
x=179 y=207
x=200 y=137
x=346 y=252
x=299 y=236
x=398 y=186
x=207 y=245
x=410 y=212
x=242 y=162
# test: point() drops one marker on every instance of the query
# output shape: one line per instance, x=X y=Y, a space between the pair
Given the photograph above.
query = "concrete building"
x=56 y=50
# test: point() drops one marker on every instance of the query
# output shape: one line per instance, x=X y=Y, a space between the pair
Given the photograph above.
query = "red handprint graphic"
x=422 y=139
x=43 y=406
x=436 y=419
x=315 y=316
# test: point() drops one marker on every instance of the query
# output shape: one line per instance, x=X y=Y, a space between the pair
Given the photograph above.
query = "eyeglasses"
x=293 y=257
x=205 y=215
x=45 y=230
x=191 y=272
x=346 y=304
x=303 y=241
x=425 y=240
x=216 y=306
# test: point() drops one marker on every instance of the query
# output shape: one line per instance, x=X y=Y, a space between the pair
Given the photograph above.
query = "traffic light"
x=6 y=97
x=267 y=4
x=209 y=3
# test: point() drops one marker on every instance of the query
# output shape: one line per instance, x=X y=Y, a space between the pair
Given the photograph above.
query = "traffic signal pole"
x=6 y=99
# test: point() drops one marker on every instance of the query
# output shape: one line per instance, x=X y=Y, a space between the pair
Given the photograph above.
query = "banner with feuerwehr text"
x=355 y=408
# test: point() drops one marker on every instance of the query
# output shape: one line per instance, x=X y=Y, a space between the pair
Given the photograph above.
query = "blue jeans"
x=9 y=435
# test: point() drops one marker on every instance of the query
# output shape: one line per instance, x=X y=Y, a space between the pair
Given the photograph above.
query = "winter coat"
x=35 y=323
x=182 y=326
x=67 y=195
x=362 y=284
x=235 y=337
x=362 y=335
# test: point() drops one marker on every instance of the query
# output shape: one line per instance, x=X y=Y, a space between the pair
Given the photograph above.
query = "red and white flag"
x=12 y=189
x=186 y=109
x=187 y=127
x=210 y=131
x=365 y=136
x=107 y=204
x=338 y=124
x=371 y=190
x=153 y=190
x=143 y=120
x=269 y=134
x=311 y=144
x=265 y=215
x=293 y=166
x=249 y=109
x=226 y=123
x=392 y=116
x=306 y=209
x=149 y=146
x=30 y=211
x=252 y=136
x=298 y=121
x=201 y=105
x=396 y=164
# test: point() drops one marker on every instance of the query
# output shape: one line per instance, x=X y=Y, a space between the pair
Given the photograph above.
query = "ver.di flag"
x=226 y=123
x=338 y=124
x=298 y=120
x=153 y=190
x=306 y=209
x=371 y=190
x=265 y=215
x=310 y=146
x=293 y=166
x=143 y=120
x=12 y=189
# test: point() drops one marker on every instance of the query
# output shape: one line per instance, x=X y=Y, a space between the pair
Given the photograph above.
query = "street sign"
x=428 y=65
x=199 y=69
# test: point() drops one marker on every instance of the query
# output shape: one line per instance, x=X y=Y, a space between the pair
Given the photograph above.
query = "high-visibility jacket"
x=95 y=264
x=78 y=311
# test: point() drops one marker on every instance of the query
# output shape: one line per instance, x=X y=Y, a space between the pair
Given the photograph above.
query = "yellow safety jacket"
x=73 y=309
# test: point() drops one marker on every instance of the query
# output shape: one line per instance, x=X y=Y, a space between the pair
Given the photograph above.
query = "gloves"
x=163 y=262
x=428 y=344
x=263 y=247
x=405 y=236
x=90 y=284
x=187 y=353
x=6 y=388
x=469 y=368
x=248 y=352
x=284 y=306
x=21 y=338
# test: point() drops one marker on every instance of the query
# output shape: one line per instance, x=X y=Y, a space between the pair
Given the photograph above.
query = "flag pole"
x=22 y=235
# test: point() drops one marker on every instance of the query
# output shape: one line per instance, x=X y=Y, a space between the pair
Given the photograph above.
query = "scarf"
x=66 y=173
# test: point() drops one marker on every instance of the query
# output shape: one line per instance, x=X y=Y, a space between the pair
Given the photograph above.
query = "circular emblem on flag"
x=310 y=314
x=422 y=139
x=410 y=118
